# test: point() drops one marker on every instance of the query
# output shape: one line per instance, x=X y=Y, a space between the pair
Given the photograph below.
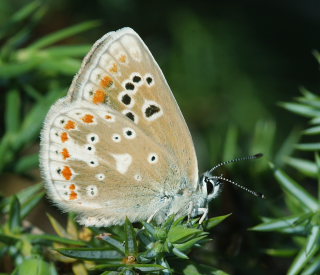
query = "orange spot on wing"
x=70 y=125
x=108 y=117
x=72 y=187
x=99 y=96
x=73 y=196
x=114 y=68
x=123 y=58
x=106 y=82
x=88 y=118
x=65 y=153
x=67 y=172
x=64 y=137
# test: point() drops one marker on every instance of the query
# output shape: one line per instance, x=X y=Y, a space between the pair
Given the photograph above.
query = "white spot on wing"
x=132 y=46
x=107 y=116
x=92 y=190
x=90 y=148
x=106 y=61
x=117 y=51
x=60 y=122
x=93 y=163
x=116 y=137
x=92 y=138
x=123 y=161
x=55 y=135
x=153 y=158
x=100 y=176
x=129 y=133
x=76 y=114
x=96 y=75
x=89 y=90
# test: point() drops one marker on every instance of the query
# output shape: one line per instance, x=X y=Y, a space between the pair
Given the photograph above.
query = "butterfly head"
x=210 y=186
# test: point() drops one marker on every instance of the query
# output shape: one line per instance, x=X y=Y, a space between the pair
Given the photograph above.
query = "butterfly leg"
x=190 y=209
x=204 y=214
x=151 y=217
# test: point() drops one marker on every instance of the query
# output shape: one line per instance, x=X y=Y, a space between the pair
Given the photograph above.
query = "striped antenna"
x=256 y=156
x=257 y=194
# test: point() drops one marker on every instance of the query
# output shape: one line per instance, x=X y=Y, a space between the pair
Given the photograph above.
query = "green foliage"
x=124 y=250
x=25 y=70
x=213 y=87
x=16 y=238
x=150 y=249
x=302 y=225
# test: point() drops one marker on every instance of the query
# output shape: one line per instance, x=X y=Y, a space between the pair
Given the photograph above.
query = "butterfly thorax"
x=185 y=201
x=193 y=201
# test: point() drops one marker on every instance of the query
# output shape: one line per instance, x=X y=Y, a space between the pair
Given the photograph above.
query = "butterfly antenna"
x=256 y=156
x=257 y=194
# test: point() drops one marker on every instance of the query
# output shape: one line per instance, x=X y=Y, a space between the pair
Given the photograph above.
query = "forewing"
x=121 y=73
x=100 y=164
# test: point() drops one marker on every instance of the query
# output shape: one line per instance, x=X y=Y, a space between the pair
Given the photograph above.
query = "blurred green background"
x=229 y=64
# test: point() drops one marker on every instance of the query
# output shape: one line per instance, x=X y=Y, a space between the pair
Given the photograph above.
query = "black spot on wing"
x=149 y=80
x=126 y=99
x=129 y=86
x=130 y=115
x=151 y=110
x=136 y=79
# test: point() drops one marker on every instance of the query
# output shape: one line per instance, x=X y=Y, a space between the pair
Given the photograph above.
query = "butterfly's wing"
x=99 y=163
x=117 y=145
x=121 y=72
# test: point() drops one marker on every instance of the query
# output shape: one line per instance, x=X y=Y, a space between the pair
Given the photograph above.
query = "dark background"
x=229 y=64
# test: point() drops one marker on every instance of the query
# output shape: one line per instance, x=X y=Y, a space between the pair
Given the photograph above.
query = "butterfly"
x=118 y=146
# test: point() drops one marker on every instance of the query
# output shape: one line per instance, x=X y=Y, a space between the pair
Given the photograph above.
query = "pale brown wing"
x=120 y=72
x=118 y=145
x=98 y=163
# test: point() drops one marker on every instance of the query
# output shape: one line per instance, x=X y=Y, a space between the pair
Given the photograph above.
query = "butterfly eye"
x=209 y=187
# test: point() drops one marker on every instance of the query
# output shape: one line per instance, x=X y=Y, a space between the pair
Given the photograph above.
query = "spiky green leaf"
x=295 y=190
x=213 y=222
x=91 y=254
x=15 y=221
x=131 y=247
